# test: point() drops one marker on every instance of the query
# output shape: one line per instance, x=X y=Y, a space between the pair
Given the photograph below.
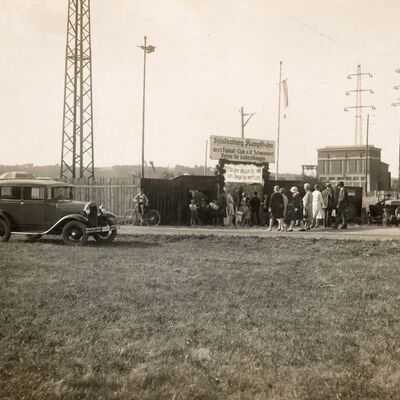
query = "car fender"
x=59 y=224
x=68 y=218
x=109 y=215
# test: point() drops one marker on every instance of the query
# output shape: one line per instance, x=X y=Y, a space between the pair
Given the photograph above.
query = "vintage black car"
x=385 y=211
x=37 y=207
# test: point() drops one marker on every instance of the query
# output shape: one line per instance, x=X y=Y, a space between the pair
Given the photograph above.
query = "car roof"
x=34 y=182
x=17 y=175
x=393 y=202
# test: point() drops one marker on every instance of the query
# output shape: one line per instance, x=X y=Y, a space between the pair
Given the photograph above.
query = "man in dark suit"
x=255 y=209
x=342 y=204
x=327 y=195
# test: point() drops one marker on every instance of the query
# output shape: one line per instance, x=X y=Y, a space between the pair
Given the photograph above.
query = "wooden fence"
x=115 y=194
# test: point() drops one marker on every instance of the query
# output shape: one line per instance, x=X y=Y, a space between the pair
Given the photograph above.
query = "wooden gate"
x=115 y=194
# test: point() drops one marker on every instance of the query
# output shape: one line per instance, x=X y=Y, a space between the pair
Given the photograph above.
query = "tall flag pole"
x=147 y=49
x=279 y=121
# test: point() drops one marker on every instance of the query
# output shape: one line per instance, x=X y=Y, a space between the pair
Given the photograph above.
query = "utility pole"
x=358 y=139
x=77 y=151
x=279 y=121
x=244 y=123
x=205 y=159
x=146 y=49
x=397 y=104
x=366 y=157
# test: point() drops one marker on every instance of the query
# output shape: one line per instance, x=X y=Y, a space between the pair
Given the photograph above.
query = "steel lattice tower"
x=358 y=119
x=358 y=128
x=77 y=137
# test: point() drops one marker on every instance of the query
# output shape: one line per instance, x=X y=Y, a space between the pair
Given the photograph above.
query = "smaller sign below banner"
x=243 y=173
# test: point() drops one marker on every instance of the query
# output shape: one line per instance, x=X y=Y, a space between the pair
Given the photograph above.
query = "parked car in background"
x=17 y=175
x=385 y=211
x=36 y=207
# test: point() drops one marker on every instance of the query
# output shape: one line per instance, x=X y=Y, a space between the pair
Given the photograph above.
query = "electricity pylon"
x=358 y=128
x=77 y=136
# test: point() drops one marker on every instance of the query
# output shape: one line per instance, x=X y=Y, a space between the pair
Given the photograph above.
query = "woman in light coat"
x=307 y=207
x=317 y=206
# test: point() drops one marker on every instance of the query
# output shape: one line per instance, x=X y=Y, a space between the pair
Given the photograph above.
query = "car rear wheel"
x=5 y=230
x=74 y=234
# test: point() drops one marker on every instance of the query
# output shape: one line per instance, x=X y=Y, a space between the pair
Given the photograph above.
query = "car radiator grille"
x=92 y=217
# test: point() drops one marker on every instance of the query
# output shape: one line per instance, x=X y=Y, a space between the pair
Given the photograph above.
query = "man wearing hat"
x=327 y=196
x=255 y=209
x=342 y=204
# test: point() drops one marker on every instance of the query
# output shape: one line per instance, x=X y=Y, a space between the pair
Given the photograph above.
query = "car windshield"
x=61 y=193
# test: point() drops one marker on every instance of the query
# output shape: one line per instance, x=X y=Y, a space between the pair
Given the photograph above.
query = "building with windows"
x=347 y=164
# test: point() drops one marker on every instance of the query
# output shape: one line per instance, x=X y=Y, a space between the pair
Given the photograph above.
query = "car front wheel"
x=105 y=237
x=5 y=230
x=74 y=234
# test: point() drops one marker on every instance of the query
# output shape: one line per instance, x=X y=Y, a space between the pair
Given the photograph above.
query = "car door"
x=10 y=202
x=33 y=208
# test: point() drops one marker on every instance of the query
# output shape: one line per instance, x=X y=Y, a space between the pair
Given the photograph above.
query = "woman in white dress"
x=317 y=207
x=307 y=207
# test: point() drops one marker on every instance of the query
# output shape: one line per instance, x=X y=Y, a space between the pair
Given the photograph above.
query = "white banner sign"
x=242 y=149
x=243 y=173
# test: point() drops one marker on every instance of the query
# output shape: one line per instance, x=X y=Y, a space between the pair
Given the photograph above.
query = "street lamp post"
x=146 y=49
x=244 y=123
x=397 y=104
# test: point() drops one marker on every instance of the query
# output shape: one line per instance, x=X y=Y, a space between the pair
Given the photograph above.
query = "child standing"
x=246 y=214
x=193 y=212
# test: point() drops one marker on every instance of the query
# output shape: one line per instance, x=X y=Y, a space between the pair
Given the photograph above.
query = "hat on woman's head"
x=294 y=189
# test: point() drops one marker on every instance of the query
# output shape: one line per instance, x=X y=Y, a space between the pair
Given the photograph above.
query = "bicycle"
x=149 y=217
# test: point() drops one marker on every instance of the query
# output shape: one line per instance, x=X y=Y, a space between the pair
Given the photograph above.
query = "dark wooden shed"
x=170 y=196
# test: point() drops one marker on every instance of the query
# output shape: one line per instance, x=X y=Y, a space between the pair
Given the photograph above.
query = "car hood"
x=72 y=207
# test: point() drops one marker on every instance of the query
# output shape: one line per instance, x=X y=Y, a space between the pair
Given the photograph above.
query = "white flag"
x=285 y=93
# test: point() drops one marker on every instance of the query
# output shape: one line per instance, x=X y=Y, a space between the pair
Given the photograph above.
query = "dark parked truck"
x=36 y=207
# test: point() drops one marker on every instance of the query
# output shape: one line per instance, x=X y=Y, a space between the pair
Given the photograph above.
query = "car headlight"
x=86 y=210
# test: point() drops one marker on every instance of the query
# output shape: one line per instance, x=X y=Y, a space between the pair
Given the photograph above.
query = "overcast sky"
x=212 y=57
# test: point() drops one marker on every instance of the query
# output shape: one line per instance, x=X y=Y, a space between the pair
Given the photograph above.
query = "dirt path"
x=353 y=233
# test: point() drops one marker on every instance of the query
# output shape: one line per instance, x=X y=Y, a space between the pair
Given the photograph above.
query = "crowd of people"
x=321 y=207
x=233 y=207
x=325 y=206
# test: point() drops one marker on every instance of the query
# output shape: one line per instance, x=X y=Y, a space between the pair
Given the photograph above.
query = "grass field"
x=200 y=318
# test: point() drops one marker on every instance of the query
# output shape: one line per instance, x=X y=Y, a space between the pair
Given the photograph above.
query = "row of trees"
x=116 y=171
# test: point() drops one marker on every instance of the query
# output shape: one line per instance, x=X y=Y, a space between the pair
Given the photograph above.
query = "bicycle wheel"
x=130 y=217
x=152 y=218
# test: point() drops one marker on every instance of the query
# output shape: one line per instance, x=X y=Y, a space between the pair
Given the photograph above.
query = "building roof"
x=351 y=147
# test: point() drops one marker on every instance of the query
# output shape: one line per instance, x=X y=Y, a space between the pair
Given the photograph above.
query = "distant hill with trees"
x=123 y=171
x=116 y=171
